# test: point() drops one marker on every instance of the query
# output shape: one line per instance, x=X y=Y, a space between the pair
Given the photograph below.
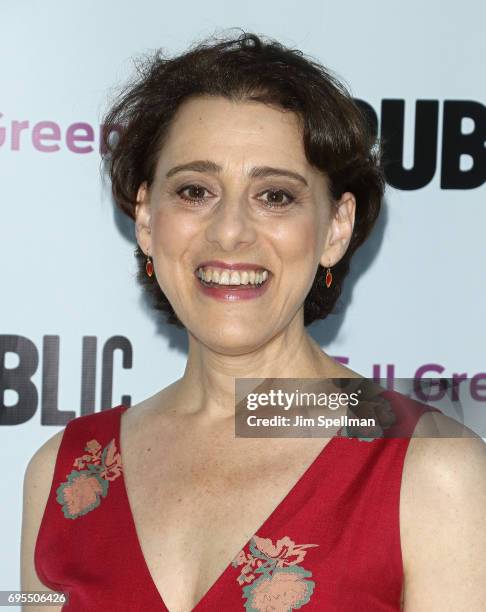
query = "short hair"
x=338 y=138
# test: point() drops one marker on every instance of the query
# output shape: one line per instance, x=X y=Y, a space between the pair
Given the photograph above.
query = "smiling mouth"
x=232 y=279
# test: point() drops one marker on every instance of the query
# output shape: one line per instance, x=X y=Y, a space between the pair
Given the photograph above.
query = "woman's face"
x=233 y=187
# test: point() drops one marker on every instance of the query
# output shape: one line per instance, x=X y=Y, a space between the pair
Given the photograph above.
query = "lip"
x=228 y=293
x=215 y=263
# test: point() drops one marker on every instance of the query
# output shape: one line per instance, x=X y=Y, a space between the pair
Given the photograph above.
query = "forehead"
x=234 y=132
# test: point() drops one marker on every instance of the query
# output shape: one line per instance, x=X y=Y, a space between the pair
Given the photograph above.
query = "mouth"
x=233 y=281
x=219 y=277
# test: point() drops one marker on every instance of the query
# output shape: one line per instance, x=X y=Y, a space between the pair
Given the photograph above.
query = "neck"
x=208 y=384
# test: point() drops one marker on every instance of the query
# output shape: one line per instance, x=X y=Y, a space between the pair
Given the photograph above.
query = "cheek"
x=298 y=242
x=172 y=236
x=171 y=233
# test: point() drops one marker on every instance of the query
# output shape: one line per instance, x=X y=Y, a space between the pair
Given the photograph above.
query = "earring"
x=149 y=267
x=328 y=278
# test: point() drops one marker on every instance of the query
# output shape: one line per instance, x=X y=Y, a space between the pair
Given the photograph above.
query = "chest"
x=195 y=507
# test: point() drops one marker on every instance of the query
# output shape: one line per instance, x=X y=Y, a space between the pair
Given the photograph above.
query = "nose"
x=230 y=226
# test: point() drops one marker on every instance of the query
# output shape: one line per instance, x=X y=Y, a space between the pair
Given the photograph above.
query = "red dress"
x=332 y=544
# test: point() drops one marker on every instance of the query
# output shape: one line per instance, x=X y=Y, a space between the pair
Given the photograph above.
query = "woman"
x=252 y=178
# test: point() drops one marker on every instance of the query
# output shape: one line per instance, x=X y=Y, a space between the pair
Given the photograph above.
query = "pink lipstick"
x=227 y=291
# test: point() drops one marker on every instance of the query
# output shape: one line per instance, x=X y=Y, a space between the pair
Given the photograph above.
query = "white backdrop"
x=417 y=292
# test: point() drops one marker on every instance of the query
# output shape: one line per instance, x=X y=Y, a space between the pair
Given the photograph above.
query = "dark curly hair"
x=338 y=138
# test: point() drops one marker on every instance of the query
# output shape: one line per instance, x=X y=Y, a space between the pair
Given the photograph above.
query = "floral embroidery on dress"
x=347 y=434
x=380 y=410
x=282 y=585
x=86 y=485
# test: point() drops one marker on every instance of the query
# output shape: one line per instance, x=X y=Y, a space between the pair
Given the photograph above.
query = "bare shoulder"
x=443 y=447
x=41 y=465
x=37 y=484
x=443 y=517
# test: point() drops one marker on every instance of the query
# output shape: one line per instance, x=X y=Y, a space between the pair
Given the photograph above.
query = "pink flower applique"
x=89 y=482
x=282 y=584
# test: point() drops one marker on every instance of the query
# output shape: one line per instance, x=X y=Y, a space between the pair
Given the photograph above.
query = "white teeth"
x=232 y=277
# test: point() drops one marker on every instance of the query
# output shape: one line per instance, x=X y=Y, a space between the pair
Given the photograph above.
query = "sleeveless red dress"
x=332 y=544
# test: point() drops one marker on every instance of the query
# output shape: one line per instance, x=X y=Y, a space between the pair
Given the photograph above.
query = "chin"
x=233 y=339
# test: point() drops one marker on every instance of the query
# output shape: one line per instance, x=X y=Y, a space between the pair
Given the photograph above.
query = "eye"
x=277 y=198
x=192 y=193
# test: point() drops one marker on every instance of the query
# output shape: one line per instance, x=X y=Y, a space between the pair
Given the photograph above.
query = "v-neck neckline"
x=320 y=458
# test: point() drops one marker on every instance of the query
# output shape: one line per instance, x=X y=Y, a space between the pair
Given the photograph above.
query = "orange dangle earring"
x=149 y=267
x=328 y=278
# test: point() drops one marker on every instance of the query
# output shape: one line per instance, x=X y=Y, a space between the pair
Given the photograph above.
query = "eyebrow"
x=205 y=165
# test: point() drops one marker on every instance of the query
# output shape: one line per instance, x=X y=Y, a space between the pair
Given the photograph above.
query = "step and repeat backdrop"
x=76 y=334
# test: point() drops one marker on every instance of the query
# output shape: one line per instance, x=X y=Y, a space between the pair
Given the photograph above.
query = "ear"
x=340 y=230
x=142 y=219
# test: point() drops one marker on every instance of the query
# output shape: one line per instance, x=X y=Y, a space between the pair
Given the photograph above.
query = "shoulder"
x=442 y=516
x=40 y=468
x=41 y=465
x=37 y=483
x=36 y=487
x=443 y=451
x=38 y=475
